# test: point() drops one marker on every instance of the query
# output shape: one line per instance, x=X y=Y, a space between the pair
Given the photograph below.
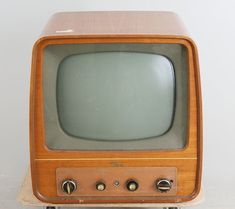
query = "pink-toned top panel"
x=114 y=23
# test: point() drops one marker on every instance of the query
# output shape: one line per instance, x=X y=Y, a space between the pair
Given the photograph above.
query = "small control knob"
x=132 y=185
x=69 y=186
x=163 y=185
x=100 y=186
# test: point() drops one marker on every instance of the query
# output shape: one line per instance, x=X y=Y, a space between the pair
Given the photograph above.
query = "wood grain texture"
x=26 y=198
x=115 y=22
x=44 y=162
x=86 y=183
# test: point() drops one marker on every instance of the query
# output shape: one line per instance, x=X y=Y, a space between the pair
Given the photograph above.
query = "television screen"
x=115 y=96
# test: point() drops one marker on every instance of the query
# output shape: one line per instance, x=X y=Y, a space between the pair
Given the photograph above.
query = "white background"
x=211 y=24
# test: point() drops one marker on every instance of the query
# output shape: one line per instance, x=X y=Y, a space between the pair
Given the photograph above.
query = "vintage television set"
x=115 y=110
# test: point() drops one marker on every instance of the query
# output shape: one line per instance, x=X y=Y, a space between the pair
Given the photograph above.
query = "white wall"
x=211 y=24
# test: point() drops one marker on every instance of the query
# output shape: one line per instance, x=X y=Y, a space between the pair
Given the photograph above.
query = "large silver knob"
x=163 y=185
x=69 y=186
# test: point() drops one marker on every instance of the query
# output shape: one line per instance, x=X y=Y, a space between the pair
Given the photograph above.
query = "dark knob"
x=100 y=186
x=69 y=186
x=132 y=185
x=163 y=185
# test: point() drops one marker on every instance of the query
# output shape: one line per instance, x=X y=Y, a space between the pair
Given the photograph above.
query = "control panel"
x=117 y=181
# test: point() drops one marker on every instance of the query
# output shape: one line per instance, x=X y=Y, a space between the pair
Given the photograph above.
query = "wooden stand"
x=27 y=198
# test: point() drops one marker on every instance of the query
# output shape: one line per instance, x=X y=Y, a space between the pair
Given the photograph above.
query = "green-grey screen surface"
x=115 y=95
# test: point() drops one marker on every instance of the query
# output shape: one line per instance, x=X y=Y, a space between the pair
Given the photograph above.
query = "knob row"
x=162 y=185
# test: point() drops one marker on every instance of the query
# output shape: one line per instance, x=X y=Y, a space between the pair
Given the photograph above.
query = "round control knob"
x=163 y=185
x=69 y=186
x=132 y=185
x=100 y=186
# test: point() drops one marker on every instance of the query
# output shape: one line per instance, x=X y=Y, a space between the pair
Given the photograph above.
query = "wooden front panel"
x=86 y=179
x=185 y=177
x=45 y=162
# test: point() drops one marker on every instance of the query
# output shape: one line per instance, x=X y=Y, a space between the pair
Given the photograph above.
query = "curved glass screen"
x=115 y=95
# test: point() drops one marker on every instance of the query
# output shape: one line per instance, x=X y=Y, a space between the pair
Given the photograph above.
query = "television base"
x=27 y=198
